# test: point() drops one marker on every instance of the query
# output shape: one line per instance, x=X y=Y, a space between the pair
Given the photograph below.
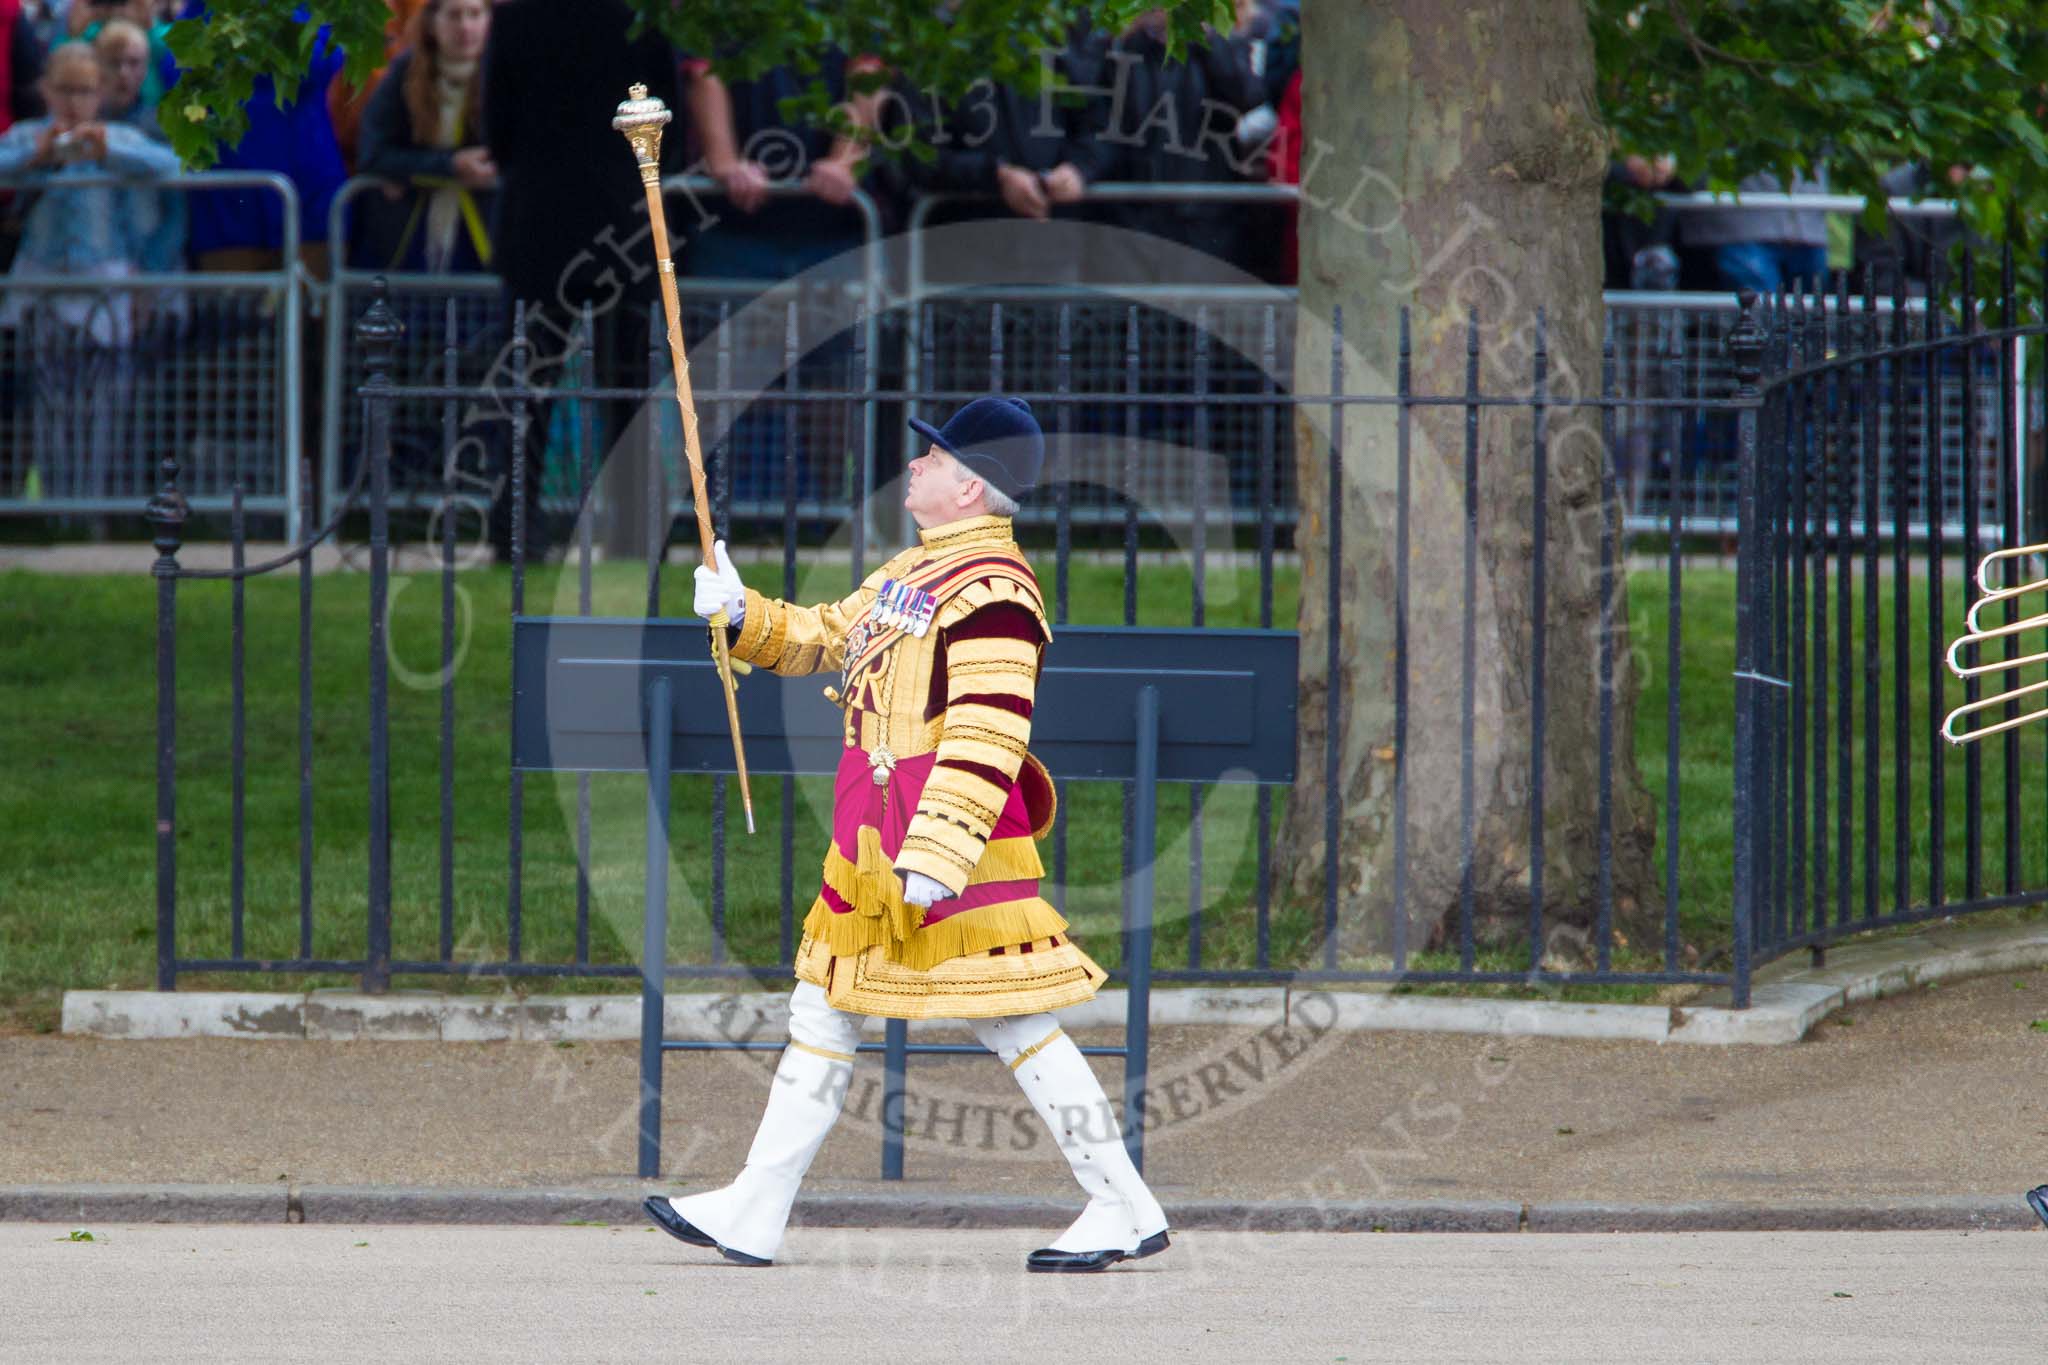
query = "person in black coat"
x=571 y=220
x=1012 y=156
x=747 y=145
x=569 y=199
x=1173 y=123
x=423 y=132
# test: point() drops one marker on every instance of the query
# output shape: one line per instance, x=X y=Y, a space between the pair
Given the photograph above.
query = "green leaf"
x=1731 y=89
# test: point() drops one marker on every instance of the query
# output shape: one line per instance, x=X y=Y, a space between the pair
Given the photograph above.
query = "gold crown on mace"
x=641 y=117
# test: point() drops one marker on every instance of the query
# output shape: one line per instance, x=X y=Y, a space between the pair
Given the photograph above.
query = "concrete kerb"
x=619 y=1205
x=1966 y=1213
x=1790 y=996
x=80 y=1204
x=1787 y=1000
x=426 y=1016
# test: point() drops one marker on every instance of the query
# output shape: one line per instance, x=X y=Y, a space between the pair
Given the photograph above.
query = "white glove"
x=720 y=589
x=919 y=889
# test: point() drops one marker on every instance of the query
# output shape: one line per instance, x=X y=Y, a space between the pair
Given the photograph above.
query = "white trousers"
x=809 y=1091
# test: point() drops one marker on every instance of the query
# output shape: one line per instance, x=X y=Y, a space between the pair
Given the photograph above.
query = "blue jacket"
x=75 y=230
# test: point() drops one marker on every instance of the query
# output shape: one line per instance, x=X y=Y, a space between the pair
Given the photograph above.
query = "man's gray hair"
x=999 y=503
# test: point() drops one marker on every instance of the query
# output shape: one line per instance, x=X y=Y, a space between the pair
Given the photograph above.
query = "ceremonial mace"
x=641 y=119
x=1975 y=633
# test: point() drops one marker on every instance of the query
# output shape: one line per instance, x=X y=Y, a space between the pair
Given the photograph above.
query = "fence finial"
x=1746 y=343
x=379 y=330
x=166 y=511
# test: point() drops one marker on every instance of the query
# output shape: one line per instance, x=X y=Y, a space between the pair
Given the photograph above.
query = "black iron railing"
x=1840 y=428
x=1852 y=779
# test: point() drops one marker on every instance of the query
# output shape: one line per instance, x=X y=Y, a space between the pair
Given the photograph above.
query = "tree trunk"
x=1453 y=164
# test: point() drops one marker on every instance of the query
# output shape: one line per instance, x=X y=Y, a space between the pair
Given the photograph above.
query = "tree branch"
x=1702 y=49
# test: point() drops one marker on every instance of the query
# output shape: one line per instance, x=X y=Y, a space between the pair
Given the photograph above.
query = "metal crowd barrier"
x=1240 y=341
x=748 y=338
x=208 y=366
x=106 y=376
x=820 y=326
x=1685 y=479
x=1234 y=337
x=467 y=304
x=1904 y=206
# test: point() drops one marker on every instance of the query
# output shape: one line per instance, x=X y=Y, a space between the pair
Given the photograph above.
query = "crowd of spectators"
x=1754 y=246
x=484 y=138
x=1128 y=114
x=423 y=124
x=1225 y=112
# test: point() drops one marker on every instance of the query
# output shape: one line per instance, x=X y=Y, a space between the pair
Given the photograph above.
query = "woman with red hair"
x=423 y=130
x=346 y=100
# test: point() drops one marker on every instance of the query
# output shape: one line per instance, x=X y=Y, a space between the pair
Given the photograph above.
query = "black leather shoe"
x=1070 y=1262
x=2037 y=1200
x=1151 y=1246
x=683 y=1230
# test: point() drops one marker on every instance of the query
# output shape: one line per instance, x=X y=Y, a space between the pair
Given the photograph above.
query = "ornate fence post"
x=378 y=332
x=1745 y=348
x=166 y=511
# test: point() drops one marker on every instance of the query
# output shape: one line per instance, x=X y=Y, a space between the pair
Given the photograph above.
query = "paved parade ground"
x=1927 y=1095
x=228 y=1293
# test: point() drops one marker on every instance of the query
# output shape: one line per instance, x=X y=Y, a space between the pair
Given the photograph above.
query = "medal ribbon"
x=939 y=581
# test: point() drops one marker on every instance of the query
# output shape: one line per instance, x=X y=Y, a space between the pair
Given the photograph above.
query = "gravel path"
x=1937 y=1093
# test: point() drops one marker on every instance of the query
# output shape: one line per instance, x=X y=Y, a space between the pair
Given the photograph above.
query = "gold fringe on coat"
x=1027 y=977
x=879 y=910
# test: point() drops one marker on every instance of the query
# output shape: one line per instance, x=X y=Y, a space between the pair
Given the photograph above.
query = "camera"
x=68 y=146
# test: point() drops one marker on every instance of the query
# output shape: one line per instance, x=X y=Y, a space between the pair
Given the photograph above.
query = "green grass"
x=77 y=810
x=76 y=817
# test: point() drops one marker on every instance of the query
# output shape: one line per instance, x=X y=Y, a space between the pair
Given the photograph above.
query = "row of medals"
x=898 y=606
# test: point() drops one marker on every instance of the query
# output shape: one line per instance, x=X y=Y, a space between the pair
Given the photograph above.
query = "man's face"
x=939 y=489
x=124 y=65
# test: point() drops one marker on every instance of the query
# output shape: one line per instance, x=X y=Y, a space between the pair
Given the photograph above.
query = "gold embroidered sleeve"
x=991 y=681
x=785 y=638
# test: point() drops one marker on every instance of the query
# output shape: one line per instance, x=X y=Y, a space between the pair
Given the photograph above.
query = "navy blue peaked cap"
x=997 y=438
